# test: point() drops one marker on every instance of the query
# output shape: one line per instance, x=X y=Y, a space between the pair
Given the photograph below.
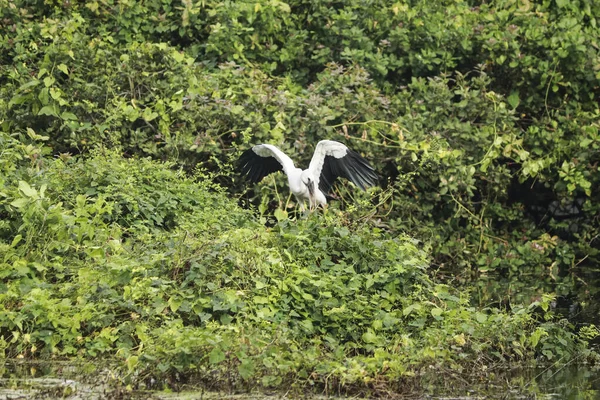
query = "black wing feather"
x=256 y=167
x=352 y=167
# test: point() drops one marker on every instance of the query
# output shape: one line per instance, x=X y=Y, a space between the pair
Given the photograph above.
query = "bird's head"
x=308 y=181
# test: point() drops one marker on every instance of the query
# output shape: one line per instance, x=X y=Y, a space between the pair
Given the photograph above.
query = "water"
x=25 y=380
x=572 y=382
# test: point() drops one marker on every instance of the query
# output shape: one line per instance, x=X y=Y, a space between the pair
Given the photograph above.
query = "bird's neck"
x=295 y=180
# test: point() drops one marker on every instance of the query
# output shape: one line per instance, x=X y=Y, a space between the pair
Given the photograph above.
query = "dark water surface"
x=24 y=380
x=573 y=382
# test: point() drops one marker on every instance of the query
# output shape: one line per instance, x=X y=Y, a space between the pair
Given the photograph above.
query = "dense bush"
x=542 y=52
x=170 y=275
x=481 y=118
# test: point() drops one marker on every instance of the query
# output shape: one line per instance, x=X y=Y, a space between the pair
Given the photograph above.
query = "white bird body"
x=330 y=160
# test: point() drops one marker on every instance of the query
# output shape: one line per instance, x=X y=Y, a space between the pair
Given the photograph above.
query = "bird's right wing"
x=333 y=159
x=262 y=160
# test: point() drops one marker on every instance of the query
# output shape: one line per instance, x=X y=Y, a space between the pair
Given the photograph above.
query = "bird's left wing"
x=333 y=159
x=262 y=160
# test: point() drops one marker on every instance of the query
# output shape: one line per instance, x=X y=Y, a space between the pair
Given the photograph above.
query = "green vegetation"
x=126 y=257
x=122 y=236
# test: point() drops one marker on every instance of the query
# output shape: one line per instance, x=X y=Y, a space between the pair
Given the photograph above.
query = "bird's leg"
x=312 y=201
x=306 y=211
x=302 y=206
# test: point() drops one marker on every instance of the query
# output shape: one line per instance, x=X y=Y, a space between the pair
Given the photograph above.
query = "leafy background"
x=120 y=123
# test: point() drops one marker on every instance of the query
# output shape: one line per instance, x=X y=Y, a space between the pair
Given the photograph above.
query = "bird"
x=330 y=160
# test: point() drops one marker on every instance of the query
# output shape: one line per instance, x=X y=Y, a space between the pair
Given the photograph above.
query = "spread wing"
x=333 y=159
x=262 y=160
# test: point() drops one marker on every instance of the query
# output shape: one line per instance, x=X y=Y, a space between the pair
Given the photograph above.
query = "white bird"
x=330 y=160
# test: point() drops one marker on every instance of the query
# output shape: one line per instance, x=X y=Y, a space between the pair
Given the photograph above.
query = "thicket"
x=481 y=118
x=127 y=259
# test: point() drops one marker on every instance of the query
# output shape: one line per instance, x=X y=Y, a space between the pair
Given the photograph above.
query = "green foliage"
x=107 y=255
x=481 y=119
x=155 y=99
x=538 y=52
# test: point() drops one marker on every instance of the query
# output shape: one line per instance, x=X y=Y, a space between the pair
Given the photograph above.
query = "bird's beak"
x=311 y=187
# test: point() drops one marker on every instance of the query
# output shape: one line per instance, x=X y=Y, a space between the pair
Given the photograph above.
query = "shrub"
x=168 y=275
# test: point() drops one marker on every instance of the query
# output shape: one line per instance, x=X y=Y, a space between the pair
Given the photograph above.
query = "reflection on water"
x=571 y=382
x=577 y=291
x=24 y=380
x=568 y=383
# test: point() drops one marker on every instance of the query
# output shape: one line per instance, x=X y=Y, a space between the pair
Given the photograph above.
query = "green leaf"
x=96 y=251
x=436 y=312
x=22 y=267
x=237 y=109
x=132 y=362
x=31 y=133
x=27 y=190
x=178 y=56
x=19 y=203
x=260 y=285
x=369 y=336
x=246 y=368
x=16 y=240
x=280 y=214
x=480 y=317
x=55 y=94
x=409 y=309
x=536 y=336
x=149 y=115
x=216 y=355
x=68 y=116
x=513 y=99
x=48 y=110
x=260 y=300
x=308 y=296
x=377 y=324
x=49 y=81
x=44 y=96
x=29 y=84
x=63 y=68
x=342 y=231
x=18 y=99
x=174 y=303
